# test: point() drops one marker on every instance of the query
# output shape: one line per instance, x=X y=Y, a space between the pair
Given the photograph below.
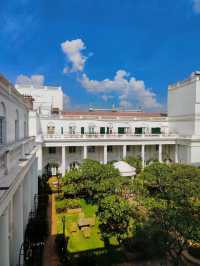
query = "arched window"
x=51 y=129
x=91 y=128
x=72 y=128
x=17 y=125
x=2 y=123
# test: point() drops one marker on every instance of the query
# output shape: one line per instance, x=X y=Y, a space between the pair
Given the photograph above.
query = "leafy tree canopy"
x=114 y=213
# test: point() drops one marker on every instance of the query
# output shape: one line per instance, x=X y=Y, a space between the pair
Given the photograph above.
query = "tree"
x=178 y=217
x=156 y=176
x=114 y=214
x=92 y=179
x=180 y=225
x=135 y=162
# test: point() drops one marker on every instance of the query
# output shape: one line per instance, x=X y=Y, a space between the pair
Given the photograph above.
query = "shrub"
x=61 y=206
x=72 y=203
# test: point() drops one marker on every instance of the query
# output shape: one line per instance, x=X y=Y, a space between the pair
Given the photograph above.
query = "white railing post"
x=160 y=153
x=84 y=152
x=143 y=155
x=105 y=155
x=124 y=152
x=63 y=161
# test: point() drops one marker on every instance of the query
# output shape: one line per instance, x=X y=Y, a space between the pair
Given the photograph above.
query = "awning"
x=125 y=169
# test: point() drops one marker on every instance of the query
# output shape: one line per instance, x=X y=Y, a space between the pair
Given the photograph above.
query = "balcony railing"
x=106 y=136
x=12 y=154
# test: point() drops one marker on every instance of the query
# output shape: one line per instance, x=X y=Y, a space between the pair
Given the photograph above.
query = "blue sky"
x=122 y=52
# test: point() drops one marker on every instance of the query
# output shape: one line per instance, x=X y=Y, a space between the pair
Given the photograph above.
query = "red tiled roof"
x=110 y=113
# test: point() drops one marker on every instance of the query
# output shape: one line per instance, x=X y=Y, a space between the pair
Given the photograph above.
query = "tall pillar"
x=84 y=152
x=40 y=163
x=176 y=153
x=35 y=175
x=18 y=225
x=105 y=155
x=63 y=161
x=124 y=152
x=4 y=239
x=143 y=155
x=160 y=153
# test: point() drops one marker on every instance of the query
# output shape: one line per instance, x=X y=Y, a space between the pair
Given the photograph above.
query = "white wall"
x=184 y=107
x=45 y=97
x=78 y=123
x=13 y=104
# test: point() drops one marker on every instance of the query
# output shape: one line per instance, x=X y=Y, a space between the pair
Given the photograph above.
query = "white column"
x=18 y=225
x=40 y=164
x=124 y=152
x=176 y=153
x=63 y=161
x=84 y=152
x=160 y=153
x=105 y=155
x=143 y=155
x=4 y=239
x=36 y=176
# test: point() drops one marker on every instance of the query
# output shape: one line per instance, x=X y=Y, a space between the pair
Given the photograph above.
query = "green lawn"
x=77 y=242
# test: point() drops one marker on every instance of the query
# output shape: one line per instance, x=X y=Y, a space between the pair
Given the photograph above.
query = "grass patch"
x=77 y=242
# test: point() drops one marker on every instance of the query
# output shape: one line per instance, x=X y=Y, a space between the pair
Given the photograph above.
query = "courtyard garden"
x=107 y=219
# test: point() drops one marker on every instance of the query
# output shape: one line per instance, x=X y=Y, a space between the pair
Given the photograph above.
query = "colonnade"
x=124 y=154
x=14 y=218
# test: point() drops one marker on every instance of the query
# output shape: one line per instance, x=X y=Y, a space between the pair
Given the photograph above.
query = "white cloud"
x=66 y=102
x=35 y=80
x=196 y=6
x=130 y=90
x=106 y=97
x=73 y=51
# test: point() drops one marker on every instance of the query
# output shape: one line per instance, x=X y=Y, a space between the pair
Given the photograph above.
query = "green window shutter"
x=102 y=130
x=138 y=130
x=82 y=130
x=121 y=130
x=155 y=130
x=107 y=130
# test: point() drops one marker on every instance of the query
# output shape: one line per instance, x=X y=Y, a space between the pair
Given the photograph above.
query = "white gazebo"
x=125 y=169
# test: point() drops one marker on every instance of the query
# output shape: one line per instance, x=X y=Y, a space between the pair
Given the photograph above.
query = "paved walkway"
x=50 y=257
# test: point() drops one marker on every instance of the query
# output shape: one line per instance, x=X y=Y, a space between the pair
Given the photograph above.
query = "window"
x=82 y=130
x=157 y=147
x=72 y=130
x=25 y=131
x=1 y=130
x=61 y=130
x=91 y=130
x=128 y=148
x=155 y=130
x=91 y=149
x=102 y=130
x=52 y=150
x=2 y=123
x=72 y=149
x=121 y=130
x=50 y=129
x=110 y=148
x=138 y=130
x=17 y=125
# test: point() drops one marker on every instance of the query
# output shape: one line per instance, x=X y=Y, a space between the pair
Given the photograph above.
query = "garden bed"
x=82 y=240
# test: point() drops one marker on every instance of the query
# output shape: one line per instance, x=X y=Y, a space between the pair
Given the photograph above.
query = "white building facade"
x=18 y=172
x=66 y=138
x=47 y=139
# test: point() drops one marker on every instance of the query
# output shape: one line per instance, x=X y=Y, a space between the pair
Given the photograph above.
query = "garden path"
x=50 y=257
